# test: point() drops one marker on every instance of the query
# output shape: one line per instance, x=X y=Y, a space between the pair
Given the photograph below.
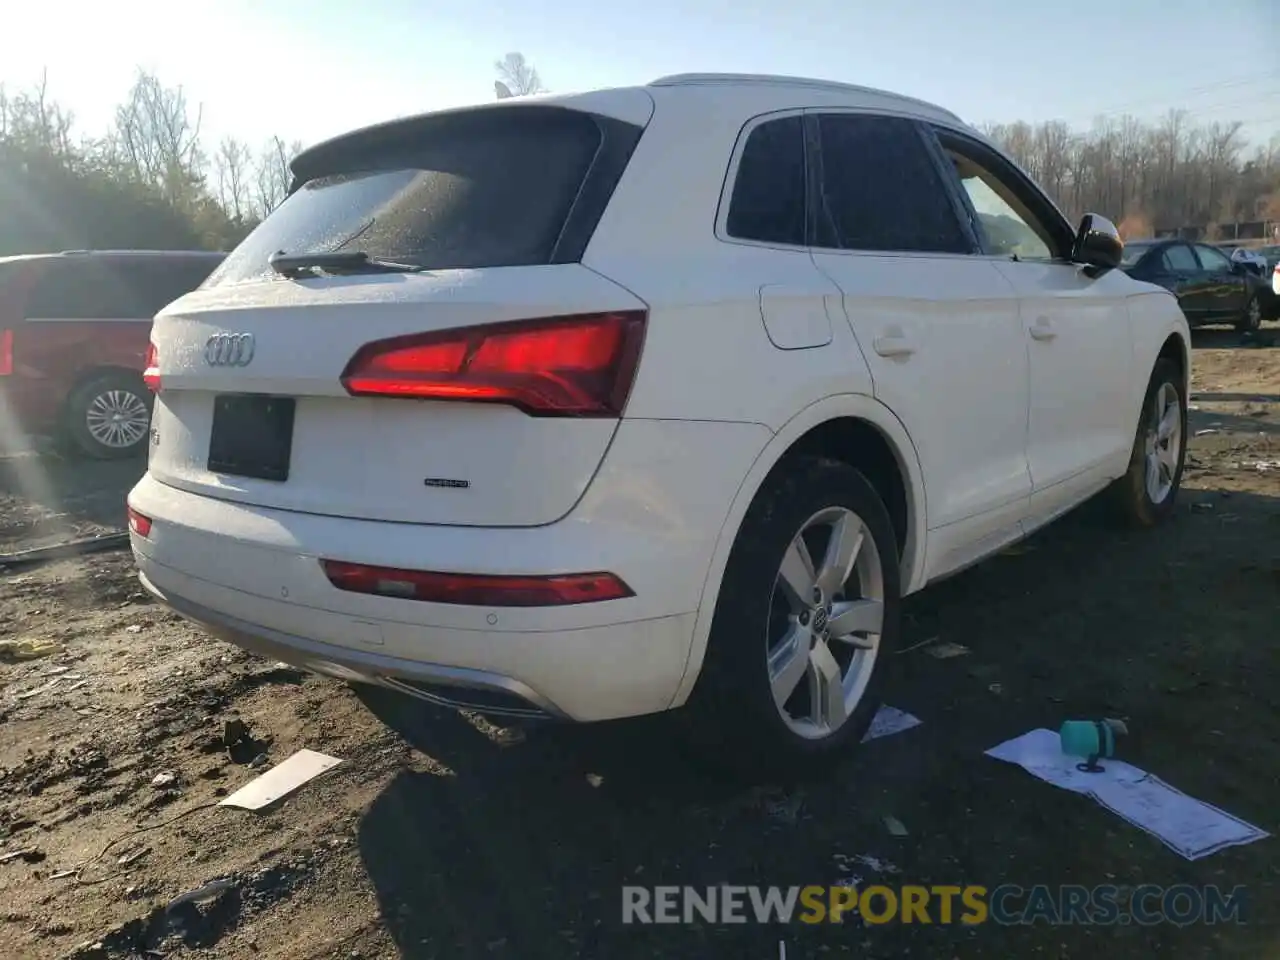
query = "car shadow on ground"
x=519 y=845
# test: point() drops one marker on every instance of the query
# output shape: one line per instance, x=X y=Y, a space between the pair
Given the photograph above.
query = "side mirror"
x=1098 y=243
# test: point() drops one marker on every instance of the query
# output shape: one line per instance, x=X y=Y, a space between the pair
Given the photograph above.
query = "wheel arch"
x=1178 y=351
x=851 y=427
x=1160 y=331
x=89 y=374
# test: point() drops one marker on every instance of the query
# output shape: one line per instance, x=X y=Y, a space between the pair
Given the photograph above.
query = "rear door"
x=482 y=387
x=1176 y=269
x=938 y=325
x=1223 y=289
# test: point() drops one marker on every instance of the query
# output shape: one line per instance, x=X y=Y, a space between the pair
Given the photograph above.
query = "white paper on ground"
x=888 y=721
x=1183 y=824
x=281 y=779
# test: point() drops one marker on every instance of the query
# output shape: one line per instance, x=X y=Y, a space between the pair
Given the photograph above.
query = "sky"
x=309 y=69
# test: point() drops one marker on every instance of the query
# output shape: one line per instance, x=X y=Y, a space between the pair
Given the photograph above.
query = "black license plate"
x=252 y=436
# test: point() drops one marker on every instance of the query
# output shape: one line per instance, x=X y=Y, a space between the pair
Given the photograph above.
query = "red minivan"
x=74 y=330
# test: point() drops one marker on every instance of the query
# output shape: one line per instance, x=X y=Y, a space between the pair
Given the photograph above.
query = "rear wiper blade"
x=353 y=261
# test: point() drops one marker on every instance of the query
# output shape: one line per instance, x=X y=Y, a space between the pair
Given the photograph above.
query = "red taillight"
x=138 y=523
x=151 y=369
x=558 y=366
x=6 y=353
x=476 y=590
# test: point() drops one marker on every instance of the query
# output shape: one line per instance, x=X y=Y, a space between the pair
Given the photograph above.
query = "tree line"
x=153 y=180
x=1169 y=175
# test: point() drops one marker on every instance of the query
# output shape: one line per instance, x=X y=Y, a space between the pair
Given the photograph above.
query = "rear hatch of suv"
x=410 y=336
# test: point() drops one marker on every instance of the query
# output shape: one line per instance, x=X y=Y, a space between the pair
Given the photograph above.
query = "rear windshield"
x=492 y=188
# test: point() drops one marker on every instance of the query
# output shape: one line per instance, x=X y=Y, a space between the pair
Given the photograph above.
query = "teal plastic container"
x=1090 y=739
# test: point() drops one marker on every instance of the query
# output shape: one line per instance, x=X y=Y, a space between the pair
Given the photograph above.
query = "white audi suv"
x=600 y=405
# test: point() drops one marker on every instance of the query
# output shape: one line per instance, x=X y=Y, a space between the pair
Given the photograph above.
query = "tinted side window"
x=768 y=202
x=81 y=288
x=881 y=189
x=103 y=288
x=1180 y=259
x=1212 y=259
x=154 y=284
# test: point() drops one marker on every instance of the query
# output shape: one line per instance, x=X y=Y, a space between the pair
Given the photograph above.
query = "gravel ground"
x=443 y=835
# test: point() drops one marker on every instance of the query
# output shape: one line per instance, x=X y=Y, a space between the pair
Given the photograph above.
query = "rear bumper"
x=252 y=576
x=435 y=683
x=600 y=672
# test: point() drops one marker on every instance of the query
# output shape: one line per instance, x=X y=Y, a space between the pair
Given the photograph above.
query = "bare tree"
x=231 y=167
x=31 y=121
x=1169 y=176
x=272 y=175
x=517 y=76
x=159 y=138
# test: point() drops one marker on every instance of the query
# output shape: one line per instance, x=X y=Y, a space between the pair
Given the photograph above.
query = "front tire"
x=807 y=612
x=108 y=417
x=1148 y=492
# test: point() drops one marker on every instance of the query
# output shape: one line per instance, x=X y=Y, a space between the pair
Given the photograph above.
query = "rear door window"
x=80 y=288
x=882 y=190
x=1179 y=259
x=1213 y=261
x=768 y=201
x=485 y=188
x=156 y=283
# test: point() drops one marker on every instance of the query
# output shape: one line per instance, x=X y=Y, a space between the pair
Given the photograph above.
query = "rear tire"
x=1148 y=492
x=1251 y=319
x=794 y=660
x=108 y=417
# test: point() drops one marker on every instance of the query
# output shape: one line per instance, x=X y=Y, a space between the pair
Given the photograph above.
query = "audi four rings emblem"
x=229 y=350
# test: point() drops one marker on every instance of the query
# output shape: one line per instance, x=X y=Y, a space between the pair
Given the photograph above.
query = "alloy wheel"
x=1163 y=443
x=117 y=419
x=825 y=622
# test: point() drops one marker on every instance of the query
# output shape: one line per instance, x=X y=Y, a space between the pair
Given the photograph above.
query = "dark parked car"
x=74 y=329
x=1209 y=287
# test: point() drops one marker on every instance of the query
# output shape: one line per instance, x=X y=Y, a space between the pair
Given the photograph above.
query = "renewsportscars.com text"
x=970 y=905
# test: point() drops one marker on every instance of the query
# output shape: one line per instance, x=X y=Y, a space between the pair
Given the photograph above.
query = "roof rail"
x=681 y=79
x=138 y=253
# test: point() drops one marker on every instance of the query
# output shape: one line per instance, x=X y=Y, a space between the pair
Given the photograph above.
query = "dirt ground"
x=443 y=835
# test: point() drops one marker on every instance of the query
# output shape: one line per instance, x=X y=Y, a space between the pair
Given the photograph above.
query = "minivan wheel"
x=1147 y=494
x=807 y=612
x=109 y=417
